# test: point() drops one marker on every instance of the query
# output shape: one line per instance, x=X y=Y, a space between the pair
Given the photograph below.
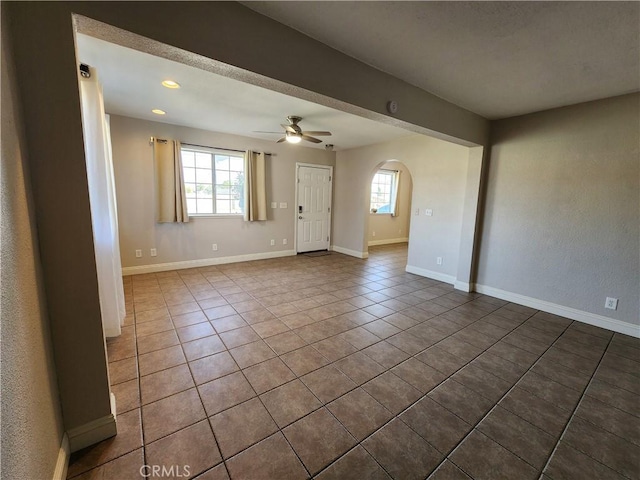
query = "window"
x=214 y=181
x=382 y=191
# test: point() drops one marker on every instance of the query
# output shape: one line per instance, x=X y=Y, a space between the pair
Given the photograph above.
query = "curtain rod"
x=206 y=146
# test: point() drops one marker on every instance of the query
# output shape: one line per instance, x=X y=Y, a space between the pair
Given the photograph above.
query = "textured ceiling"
x=132 y=87
x=497 y=59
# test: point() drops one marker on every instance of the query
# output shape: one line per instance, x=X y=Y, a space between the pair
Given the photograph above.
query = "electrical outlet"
x=154 y=252
x=611 y=303
x=283 y=205
x=439 y=260
x=374 y=233
x=274 y=204
x=138 y=253
x=273 y=242
x=417 y=211
x=214 y=247
x=284 y=241
x=428 y=212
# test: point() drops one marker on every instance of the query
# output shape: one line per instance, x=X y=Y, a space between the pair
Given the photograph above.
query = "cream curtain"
x=170 y=192
x=255 y=187
x=395 y=194
x=102 y=199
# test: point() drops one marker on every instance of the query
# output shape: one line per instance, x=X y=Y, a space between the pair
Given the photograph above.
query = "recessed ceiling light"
x=157 y=111
x=170 y=84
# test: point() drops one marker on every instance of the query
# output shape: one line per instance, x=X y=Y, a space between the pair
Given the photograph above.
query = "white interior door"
x=313 y=208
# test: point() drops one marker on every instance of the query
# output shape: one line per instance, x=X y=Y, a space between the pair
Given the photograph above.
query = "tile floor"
x=337 y=368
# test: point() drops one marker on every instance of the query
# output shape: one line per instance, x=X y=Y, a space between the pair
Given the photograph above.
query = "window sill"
x=216 y=215
x=383 y=213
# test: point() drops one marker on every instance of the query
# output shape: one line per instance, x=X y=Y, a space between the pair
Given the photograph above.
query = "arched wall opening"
x=385 y=227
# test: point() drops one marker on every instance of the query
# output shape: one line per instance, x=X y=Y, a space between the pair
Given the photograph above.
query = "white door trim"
x=295 y=210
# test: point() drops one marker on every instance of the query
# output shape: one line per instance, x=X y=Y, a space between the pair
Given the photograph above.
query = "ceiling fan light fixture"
x=293 y=137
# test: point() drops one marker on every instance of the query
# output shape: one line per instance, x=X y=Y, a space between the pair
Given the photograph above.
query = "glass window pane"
x=188 y=159
x=223 y=189
x=205 y=205
x=191 y=205
x=223 y=206
x=189 y=175
x=223 y=178
x=236 y=178
x=205 y=191
x=203 y=160
x=203 y=176
x=190 y=190
x=222 y=162
x=236 y=163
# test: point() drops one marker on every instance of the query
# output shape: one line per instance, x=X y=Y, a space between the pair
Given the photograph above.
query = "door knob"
x=300 y=217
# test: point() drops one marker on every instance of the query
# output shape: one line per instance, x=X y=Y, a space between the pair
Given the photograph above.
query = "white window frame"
x=213 y=152
x=392 y=174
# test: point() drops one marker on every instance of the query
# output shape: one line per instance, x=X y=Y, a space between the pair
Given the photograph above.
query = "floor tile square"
x=270 y=459
x=359 y=412
x=392 y=392
x=241 y=426
x=402 y=452
x=289 y=402
x=214 y=366
x=418 y=374
x=267 y=375
x=203 y=347
x=328 y=383
x=482 y=458
x=225 y=392
x=318 y=439
x=355 y=465
x=165 y=383
x=304 y=360
x=252 y=353
x=193 y=448
x=436 y=424
x=161 y=359
x=171 y=414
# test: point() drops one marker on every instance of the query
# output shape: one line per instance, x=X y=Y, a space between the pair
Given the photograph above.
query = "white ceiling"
x=497 y=59
x=132 y=87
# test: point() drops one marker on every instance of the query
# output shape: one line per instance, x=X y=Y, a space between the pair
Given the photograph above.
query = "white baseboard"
x=441 y=277
x=92 y=432
x=567 y=312
x=351 y=253
x=205 y=262
x=464 y=286
x=388 y=241
x=62 y=464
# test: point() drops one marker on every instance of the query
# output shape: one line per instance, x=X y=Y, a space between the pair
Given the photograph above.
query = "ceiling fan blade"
x=281 y=140
x=288 y=128
x=310 y=139
x=262 y=131
x=318 y=134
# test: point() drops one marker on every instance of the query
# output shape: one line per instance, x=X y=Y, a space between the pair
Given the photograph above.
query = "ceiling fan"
x=294 y=134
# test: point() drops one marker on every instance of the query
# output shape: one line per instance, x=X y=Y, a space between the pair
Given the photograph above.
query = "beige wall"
x=439 y=175
x=562 y=216
x=389 y=228
x=133 y=167
x=31 y=418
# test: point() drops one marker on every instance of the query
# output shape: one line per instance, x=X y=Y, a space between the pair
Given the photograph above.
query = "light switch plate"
x=283 y=205
x=274 y=204
x=428 y=212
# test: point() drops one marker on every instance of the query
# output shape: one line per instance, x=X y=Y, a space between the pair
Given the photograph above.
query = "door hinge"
x=328 y=209
x=327 y=238
x=329 y=177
